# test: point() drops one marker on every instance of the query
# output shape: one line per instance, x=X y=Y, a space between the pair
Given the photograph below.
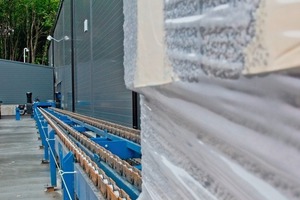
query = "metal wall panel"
x=62 y=56
x=98 y=57
x=17 y=78
x=83 y=58
x=111 y=99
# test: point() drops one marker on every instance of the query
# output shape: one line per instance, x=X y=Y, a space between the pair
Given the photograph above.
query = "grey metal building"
x=87 y=54
x=17 y=78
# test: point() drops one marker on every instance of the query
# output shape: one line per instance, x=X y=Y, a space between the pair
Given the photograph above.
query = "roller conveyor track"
x=123 y=168
x=116 y=129
x=106 y=185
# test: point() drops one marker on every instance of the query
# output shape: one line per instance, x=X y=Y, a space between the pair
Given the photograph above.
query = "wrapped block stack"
x=212 y=128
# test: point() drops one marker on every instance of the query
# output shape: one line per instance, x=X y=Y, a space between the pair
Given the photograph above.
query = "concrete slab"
x=8 y=109
x=22 y=176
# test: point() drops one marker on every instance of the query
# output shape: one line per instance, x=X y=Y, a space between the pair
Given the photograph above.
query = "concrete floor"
x=22 y=176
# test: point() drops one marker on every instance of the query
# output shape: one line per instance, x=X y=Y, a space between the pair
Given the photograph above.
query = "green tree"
x=26 y=23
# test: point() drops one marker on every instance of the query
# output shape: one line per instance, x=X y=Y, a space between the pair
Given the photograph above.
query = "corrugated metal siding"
x=83 y=59
x=17 y=78
x=62 y=56
x=111 y=99
x=99 y=73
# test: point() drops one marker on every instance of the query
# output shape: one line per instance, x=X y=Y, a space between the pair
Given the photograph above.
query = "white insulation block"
x=209 y=132
x=182 y=39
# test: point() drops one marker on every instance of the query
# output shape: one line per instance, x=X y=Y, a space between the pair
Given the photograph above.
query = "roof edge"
x=22 y=63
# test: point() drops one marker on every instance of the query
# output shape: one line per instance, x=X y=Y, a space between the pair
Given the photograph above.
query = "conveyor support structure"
x=92 y=163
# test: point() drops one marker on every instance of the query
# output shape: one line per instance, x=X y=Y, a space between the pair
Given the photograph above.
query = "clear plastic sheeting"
x=182 y=39
x=208 y=36
x=130 y=41
x=222 y=139
x=208 y=131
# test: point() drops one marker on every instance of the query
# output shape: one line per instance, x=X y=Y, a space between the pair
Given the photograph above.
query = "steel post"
x=44 y=141
x=68 y=176
x=52 y=158
x=18 y=116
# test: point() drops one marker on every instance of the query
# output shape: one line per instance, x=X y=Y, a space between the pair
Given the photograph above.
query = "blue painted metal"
x=124 y=148
x=42 y=126
x=18 y=116
x=104 y=134
x=80 y=128
x=60 y=155
x=43 y=104
x=116 y=147
x=119 y=180
x=46 y=145
x=52 y=159
x=134 y=148
x=68 y=176
x=84 y=188
x=138 y=167
x=119 y=146
x=65 y=119
x=99 y=132
x=36 y=105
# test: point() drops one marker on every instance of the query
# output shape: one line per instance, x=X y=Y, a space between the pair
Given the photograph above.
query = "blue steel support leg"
x=41 y=126
x=45 y=143
x=60 y=157
x=18 y=116
x=52 y=159
x=68 y=176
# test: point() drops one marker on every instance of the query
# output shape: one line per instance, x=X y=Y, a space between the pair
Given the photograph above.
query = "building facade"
x=17 y=78
x=87 y=55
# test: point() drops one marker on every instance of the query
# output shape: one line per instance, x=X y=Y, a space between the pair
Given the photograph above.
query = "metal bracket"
x=61 y=172
x=45 y=162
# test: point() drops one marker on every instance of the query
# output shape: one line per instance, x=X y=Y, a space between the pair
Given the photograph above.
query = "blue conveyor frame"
x=82 y=186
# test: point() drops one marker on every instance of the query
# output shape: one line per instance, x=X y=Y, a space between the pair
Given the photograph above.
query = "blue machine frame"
x=74 y=179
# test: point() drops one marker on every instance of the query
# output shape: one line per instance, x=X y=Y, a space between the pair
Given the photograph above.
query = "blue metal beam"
x=119 y=180
x=68 y=176
x=136 y=148
x=119 y=146
x=52 y=159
